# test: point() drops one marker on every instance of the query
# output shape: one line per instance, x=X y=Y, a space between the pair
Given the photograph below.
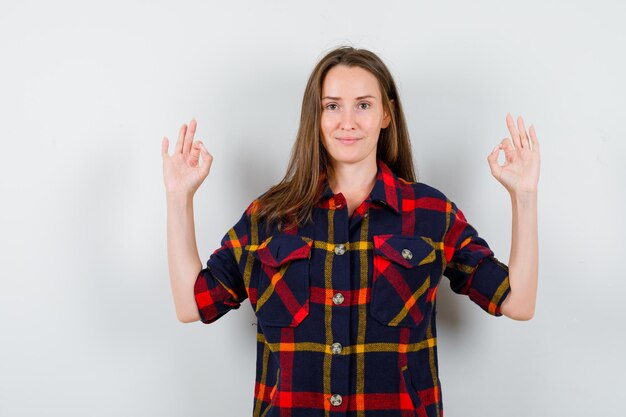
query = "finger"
x=194 y=155
x=523 y=136
x=511 y=125
x=179 y=141
x=189 y=136
x=533 y=136
x=196 y=148
x=507 y=145
x=509 y=150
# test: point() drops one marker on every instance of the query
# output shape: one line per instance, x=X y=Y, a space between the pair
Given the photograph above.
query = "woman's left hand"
x=520 y=172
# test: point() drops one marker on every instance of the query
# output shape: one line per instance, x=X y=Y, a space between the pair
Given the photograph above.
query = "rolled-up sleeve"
x=471 y=266
x=220 y=286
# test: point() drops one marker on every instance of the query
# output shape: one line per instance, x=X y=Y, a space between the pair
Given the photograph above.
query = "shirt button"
x=365 y=215
x=406 y=254
x=336 y=348
x=335 y=399
x=340 y=249
x=338 y=298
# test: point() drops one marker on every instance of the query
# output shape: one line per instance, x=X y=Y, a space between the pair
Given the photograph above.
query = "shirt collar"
x=387 y=188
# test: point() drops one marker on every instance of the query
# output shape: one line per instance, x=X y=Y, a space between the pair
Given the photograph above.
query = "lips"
x=347 y=140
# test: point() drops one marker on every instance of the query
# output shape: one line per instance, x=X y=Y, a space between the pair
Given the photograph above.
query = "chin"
x=348 y=159
x=350 y=155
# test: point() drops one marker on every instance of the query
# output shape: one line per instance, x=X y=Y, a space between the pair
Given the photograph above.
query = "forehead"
x=348 y=82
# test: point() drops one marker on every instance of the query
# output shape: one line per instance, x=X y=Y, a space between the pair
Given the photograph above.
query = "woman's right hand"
x=182 y=172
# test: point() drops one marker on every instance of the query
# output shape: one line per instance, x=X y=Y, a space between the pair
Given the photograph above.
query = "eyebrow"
x=339 y=98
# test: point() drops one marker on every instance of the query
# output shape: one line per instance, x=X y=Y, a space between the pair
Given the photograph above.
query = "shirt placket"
x=340 y=368
x=346 y=230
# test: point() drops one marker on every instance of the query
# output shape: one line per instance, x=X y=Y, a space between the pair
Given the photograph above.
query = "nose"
x=348 y=119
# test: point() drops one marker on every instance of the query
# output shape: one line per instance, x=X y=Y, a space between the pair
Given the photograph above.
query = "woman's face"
x=352 y=114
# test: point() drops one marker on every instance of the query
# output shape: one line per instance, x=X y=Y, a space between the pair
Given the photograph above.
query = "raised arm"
x=520 y=176
x=182 y=175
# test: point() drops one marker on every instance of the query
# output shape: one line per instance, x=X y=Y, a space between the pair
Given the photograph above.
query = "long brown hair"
x=292 y=200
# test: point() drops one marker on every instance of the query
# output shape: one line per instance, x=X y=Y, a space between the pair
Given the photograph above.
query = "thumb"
x=165 y=144
x=492 y=158
x=207 y=159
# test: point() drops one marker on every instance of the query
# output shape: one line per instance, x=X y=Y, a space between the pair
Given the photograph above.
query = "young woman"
x=342 y=259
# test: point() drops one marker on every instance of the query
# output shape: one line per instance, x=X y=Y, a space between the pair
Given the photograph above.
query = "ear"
x=386 y=116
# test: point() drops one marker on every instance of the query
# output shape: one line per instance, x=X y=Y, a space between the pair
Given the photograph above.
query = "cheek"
x=327 y=125
x=372 y=122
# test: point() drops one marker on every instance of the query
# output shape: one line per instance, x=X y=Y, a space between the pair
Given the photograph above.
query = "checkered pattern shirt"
x=346 y=305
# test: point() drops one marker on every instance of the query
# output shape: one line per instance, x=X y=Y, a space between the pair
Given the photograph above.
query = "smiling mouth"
x=348 y=141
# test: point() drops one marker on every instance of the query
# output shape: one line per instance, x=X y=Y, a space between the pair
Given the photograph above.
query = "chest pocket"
x=283 y=280
x=402 y=277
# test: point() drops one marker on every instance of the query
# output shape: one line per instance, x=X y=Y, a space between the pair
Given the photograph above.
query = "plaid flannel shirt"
x=346 y=306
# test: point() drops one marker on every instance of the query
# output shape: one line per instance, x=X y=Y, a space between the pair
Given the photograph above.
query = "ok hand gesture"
x=182 y=172
x=520 y=172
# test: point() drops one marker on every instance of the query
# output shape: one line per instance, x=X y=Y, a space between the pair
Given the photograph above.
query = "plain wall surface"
x=88 y=90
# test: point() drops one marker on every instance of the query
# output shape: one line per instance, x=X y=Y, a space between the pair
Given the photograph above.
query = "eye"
x=366 y=104
x=328 y=106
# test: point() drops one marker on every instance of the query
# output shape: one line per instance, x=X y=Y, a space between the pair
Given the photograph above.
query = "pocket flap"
x=408 y=251
x=278 y=249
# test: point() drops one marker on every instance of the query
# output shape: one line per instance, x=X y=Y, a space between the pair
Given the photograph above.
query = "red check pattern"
x=346 y=305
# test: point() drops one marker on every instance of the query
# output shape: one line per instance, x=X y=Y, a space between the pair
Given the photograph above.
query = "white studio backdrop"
x=89 y=89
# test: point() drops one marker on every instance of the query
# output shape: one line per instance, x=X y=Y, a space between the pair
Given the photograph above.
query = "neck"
x=353 y=178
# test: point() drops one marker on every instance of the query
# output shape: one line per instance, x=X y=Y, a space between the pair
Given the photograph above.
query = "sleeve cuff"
x=490 y=285
x=212 y=298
